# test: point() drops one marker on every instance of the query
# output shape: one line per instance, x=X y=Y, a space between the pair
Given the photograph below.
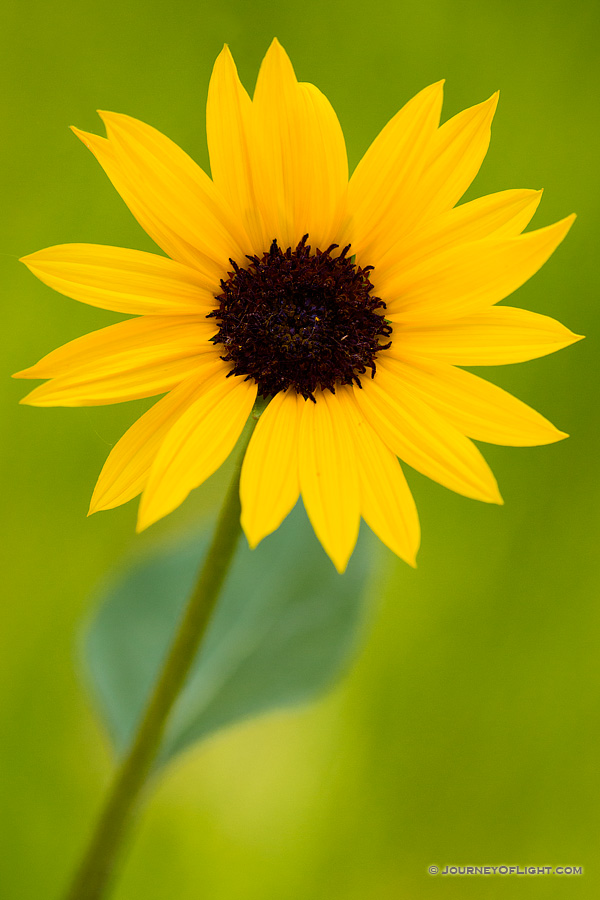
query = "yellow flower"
x=348 y=304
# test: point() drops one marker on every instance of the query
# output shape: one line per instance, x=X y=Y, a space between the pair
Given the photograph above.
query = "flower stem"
x=94 y=874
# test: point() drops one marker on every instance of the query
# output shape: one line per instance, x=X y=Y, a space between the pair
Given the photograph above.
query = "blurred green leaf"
x=284 y=627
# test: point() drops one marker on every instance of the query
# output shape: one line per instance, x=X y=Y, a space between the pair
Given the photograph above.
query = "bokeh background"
x=466 y=732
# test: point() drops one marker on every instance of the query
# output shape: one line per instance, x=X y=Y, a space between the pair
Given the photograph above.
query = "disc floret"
x=292 y=319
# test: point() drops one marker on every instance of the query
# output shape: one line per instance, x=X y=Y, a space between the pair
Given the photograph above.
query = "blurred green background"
x=467 y=731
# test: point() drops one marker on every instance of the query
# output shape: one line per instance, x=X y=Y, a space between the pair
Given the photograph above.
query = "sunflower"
x=344 y=305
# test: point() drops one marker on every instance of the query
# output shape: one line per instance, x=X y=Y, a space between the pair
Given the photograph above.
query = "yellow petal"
x=177 y=189
x=196 y=445
x=475 y=407
x=269 y=484
x=299 y=159
x=492 y=337
x=386 y=502
x=328 y=180
x=385 y=178
x=228 y=124
x=501 y=215
x=132 y=342
x=328 y=476
x=424 y=439
x=456 y=153
x=465 y=279
x=132 y=359
x=125 y=472
x=137 y=201
x=126 y=281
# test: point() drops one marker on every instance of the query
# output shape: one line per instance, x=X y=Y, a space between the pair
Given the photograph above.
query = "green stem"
x=93 y=876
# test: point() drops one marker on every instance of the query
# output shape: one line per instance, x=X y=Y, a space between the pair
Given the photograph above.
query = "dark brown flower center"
x=290 y=319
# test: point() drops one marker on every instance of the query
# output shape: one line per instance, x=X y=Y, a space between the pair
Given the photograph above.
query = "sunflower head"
x=349 y=304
